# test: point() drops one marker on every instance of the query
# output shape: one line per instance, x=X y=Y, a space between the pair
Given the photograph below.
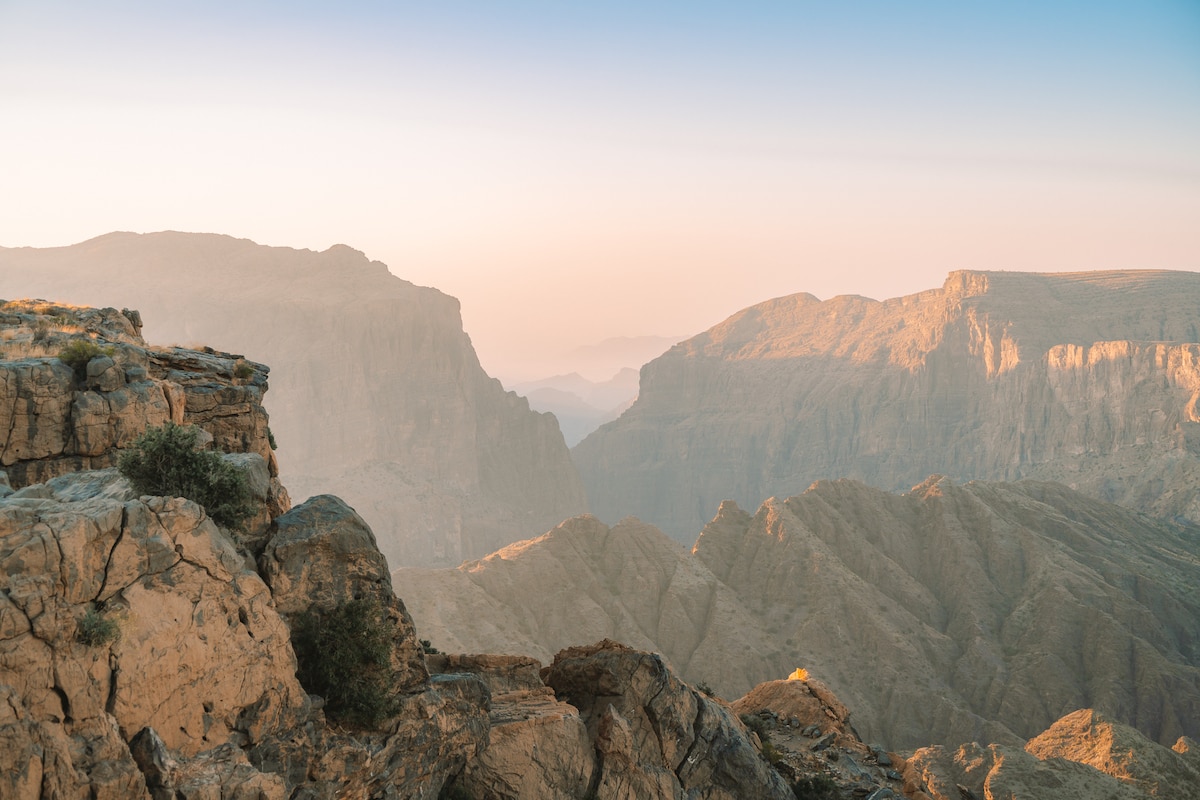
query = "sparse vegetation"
x=97 y=629
x=428 y=648
x=704 y=687
x=815 y=787
x=271 y=439
x=344 y=656
x=243 y=371
x=79 y=352
x=165 y=461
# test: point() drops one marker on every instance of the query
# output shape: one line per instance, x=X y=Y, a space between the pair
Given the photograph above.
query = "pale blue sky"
x=573 y=171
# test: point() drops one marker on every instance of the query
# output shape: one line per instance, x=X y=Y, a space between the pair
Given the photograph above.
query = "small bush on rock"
x=96 y=629
x=79 y=352
x=344 y=656
x=165 y=462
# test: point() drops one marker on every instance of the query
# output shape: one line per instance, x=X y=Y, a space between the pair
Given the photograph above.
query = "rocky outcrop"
x=1090 y=379
x=377 y=395
x=654 y=736
x=1081 y=756
x=141 y=656
x=56 y=418
x=584 y=581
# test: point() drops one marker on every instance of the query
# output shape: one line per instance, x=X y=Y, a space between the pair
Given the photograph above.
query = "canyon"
x=1089 y=379
x=377 y=394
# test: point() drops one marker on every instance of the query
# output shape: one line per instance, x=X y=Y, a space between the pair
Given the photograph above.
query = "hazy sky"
x=578 y=170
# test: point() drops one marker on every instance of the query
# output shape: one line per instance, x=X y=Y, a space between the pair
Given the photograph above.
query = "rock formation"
x=980 y=612
x=377 y=395
x=584 y=581
x=1090 y=379
x=146 y=653
x=952 y=614
x=1081 y=756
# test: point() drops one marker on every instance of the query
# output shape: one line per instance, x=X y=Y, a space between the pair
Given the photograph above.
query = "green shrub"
x=344 y=656
x=165 y=461
x=243 y=370
x=704 y=687
x=428 y=648
x=271 y=439
x=815 y=787
x=95 y=629
x=771 y=753
x=79 y=352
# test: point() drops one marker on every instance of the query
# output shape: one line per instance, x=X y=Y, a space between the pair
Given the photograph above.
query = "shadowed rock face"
x=377 y=395
x=1088 y=378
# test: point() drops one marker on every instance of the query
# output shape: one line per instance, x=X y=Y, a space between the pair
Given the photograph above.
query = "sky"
x=576 y=171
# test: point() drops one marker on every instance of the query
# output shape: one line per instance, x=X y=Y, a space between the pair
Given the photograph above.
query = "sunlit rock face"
x=377 y=395
x=1086 y=378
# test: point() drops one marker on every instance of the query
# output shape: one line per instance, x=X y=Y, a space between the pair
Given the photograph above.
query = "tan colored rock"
x=810 y=702
x=1090 y=379
x=56 y=421
x=657 y=737
x=997 y=772
x=377 y=394
x=1120 y=751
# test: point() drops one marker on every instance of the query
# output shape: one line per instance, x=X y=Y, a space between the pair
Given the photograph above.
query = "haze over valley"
x=534 y=401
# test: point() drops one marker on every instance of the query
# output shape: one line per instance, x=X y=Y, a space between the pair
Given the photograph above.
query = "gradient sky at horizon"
x=574 y=171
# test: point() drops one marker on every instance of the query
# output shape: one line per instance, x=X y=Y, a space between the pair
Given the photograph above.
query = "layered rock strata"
x=56 y=418
x=1090 y=379
x=377 y=394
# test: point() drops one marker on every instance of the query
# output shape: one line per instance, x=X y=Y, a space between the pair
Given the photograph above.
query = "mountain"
x=585 y=581
x=581 y=405
x=1090 y=379
x=377 y=394
x=981 y=612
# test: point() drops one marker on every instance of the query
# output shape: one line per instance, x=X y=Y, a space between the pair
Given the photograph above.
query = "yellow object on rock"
x=800 y=674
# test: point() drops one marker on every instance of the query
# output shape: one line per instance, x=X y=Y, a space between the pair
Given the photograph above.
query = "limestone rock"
x=657 y=738
x=377 y=394
x=584 y=581
x=321 y=554
x=56 y=422
x=1090 y=379
x=1120 y=751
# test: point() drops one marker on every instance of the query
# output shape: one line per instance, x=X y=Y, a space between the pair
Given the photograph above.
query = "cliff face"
x=1090 y=379
x=377 y=394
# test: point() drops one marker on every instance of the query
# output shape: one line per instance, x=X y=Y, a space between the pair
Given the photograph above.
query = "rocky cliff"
x=377 y=395
x=951 y=614
x=1087 y=378
x=146 y=652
